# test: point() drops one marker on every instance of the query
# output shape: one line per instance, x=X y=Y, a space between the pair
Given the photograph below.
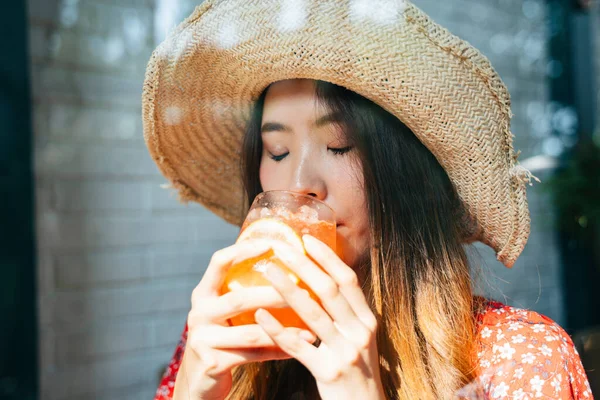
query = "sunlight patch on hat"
x=178 y=45
x=228 y=35
x=293 y=15
x=173 y=115
x=384 y=12
x=220 y=108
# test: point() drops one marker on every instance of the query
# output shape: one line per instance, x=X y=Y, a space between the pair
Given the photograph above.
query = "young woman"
x=403 y=130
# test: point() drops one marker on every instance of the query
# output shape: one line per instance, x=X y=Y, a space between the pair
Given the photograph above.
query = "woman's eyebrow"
x=279 y=127
x=275 y=127
x=327 y=119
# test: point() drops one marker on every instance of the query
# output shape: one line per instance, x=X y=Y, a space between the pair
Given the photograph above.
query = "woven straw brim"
x=202 y=81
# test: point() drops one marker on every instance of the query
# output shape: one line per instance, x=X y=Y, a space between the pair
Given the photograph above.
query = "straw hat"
x=202 y=80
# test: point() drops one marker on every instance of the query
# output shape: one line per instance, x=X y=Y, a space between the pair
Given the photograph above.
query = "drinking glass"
x=283 y=216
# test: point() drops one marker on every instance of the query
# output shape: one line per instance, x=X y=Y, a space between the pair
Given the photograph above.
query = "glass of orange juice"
x=283 y=216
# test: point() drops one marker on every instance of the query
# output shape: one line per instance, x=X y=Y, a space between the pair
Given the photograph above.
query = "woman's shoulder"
x=494 y=313
x=523 y=352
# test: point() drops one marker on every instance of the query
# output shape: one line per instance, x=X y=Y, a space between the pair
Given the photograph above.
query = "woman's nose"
x=308 y=179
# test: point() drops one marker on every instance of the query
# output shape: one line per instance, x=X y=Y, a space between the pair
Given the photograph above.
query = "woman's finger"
x=211 y=282
x=290 y=343
x=344 y=276
x=224 y=360
x=298 y=299
x=220 y=309
x=330 y=294
x=238 y=337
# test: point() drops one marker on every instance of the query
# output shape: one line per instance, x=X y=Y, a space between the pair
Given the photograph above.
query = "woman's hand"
x=346 y=364
x=213 y=347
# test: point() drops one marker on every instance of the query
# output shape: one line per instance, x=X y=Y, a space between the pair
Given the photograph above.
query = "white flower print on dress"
x=518 y=339
x=536 y=384
x=544 y=363
x=563 y=349
x=528 y=358
x=545 y=350
x=486 y=332
x=499 y=335
x=501 y=390
x=556 y=382
x=518 y=394
x=519 y=372
x=550 y=338
x=506 y=352
x=514 y=326
x=538 y=328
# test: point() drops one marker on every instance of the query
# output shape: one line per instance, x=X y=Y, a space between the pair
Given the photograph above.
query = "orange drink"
x=282 y=216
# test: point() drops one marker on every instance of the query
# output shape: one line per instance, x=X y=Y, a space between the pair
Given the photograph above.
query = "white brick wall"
x=118 y=256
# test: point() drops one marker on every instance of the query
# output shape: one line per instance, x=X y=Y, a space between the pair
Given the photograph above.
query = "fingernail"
x=308 y=238
x=283 y=255
x=263 y=316
x=310 y=242
x=259 y=314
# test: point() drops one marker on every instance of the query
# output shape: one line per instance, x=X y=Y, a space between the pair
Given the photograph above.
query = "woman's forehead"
x=290 y=90
x=295 y=97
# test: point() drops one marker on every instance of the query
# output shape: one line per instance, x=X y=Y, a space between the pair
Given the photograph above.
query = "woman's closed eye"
x=278 y=158
x=336 y=151
x=341 y=150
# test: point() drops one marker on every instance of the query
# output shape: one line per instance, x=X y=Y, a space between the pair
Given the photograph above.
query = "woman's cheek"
x=352 y=197
x=266 y=176
x=348 y=181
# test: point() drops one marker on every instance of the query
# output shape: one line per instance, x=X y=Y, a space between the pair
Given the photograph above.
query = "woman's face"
x=305 y=150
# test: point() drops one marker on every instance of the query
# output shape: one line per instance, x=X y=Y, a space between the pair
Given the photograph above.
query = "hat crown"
x=202 y=81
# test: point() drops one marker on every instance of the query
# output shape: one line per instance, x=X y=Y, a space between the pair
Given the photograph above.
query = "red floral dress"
x=521 y=355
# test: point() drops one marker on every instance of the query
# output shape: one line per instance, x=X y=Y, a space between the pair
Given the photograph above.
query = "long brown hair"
x=418 y=281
